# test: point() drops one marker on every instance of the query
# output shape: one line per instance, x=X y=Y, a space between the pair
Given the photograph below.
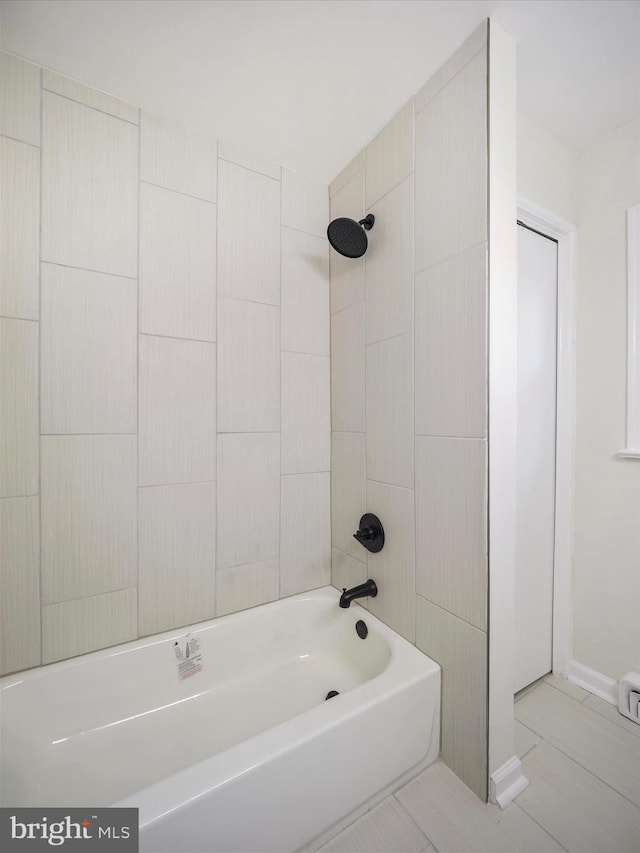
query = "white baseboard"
x=595 y=682
x=507 y=782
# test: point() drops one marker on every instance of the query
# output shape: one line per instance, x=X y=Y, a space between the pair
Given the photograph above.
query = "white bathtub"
x=244 y=755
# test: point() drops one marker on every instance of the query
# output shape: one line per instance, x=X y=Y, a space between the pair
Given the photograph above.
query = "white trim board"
x=594 y=682
x=535 y=216
x=507 y=782
x=632 y=450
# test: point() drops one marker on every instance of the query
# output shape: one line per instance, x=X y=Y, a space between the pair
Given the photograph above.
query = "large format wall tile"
x=306 y=426
x=347 y=274
x=305 y=524
x=89 y=515
x=248 y=499
x=241 y=587
x=19 y=583
x=84 y=625
x=348 y=491
x=88 y=352
x=19 y=431
x=248 y=235
x=393 y=568
x=347 y=572
x=305 y=293
x=89 y=188
x=389 y=265
x=175 y=157
x=305 y=203
x=390 y=433
x=90 y=97
x=176 y=576
x=19 y=99
x=347 y=174
x=451 y=346
x=177 y=431
x=389 y=157
x=461 y=651
x=177 y=264
x=19 y=229
x=249 y=366
x=348 y=370
x=451 y=167
x=451 y=522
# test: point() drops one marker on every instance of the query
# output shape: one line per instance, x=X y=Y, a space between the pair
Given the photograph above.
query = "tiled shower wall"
x=409 y=381
x=164 y=396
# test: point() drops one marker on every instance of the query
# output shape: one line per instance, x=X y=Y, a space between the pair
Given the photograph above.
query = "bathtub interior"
x=99 y=728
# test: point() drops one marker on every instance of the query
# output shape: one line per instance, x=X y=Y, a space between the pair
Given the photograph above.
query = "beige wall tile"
x=90 y=97
x=390 y=428
x=19 y=430
x=348 y=491
x=89 y=188
x=89 y=515
x=248 y=366
x=19 y=99
x=451 y=346
x=451 y=167
x=248 y=235
x=241 y=587
x=348 y=370
x=347 y=274
x=347 y=572
x=89 y=352
x=451 y=523
x=177 y=264
x=175 y=157
x=305 y=203
x=455 y=63
x=306 y=426
x=389 y=157
x=389 y=265
x=346 y=174
x=19 y=583
x=461 y=651
x=87 y=624
x=305 y=293
x=305 y=531
x=177 y=427
x=393 y=568
x=177 y=562
x=234 y=154
x=19 y=229
x=248 y=528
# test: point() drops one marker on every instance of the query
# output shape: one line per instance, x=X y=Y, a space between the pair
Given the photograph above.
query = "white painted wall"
x=606 y=579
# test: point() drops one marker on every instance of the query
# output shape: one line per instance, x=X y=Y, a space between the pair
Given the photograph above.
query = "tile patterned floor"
x=582 y=760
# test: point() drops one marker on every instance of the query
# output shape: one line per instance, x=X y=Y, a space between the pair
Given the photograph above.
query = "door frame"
x=540 y=219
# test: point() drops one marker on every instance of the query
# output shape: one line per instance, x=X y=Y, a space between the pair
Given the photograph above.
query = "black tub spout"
x=368 y=588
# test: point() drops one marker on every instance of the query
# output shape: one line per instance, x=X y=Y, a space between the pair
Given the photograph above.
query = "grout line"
x=455 y=615
x=40 y=531
x=449 y=258
x=252 y=301
x=86 y=269
x=139 y=236
x=215 y=393
x=321 y=237
x=255 y=171
x=91 y=106
x=542 y=827
x=174 y=338
x=167 y=485
x=22 y=319
x=388 y=192
x=410 y=816
x=22 y=141
x=96 y=434
x=390 y=338
x=177 y=192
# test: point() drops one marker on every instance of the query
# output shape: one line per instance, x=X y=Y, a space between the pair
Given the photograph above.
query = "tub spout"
x=362 y=591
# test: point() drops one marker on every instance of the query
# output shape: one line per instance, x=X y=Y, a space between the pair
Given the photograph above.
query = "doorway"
x=536 y=454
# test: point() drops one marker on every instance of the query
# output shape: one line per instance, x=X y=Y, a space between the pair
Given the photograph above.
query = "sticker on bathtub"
x=188 y=656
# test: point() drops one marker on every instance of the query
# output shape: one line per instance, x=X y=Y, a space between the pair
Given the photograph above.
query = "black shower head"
x=348 y=236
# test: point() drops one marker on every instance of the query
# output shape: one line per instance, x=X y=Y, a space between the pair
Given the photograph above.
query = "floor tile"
x=565 y=686
x=580 y=811
x=606 y=750
x=606 y=709
x=454 y=819
x=524 y=739
x=385 y=829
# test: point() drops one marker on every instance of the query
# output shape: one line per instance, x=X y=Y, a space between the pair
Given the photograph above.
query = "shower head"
x=348 y=236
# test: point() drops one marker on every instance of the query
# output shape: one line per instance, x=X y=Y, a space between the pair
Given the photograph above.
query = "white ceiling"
x=310 y=82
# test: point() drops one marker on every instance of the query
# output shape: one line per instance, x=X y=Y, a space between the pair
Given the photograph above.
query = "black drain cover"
x=361 y=629
x=331 y=694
